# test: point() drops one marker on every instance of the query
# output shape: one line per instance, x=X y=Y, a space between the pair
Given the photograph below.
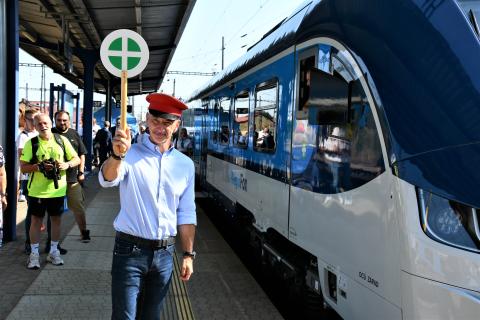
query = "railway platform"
x=220 y=288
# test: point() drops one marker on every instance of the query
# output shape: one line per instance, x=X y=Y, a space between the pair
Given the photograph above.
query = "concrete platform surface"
x=220 y=288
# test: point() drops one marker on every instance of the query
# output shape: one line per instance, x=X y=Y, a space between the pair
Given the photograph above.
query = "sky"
x=241 y=22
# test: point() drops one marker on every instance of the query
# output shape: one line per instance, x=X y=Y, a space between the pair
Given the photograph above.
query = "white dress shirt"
x=157 y=191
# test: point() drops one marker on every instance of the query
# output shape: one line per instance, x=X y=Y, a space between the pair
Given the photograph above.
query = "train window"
x=213 y=116
x=338 y=156
x=224 y=120
x=305 y=65
x=205 y=106
x=240 y=120
x=265 y=116
x=328 y=98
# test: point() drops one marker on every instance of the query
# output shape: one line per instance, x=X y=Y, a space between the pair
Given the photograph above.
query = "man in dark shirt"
x=114 y=128
x=75 y=175
x=104 y=141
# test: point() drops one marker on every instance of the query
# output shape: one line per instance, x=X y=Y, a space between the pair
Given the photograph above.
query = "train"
x=346 y=144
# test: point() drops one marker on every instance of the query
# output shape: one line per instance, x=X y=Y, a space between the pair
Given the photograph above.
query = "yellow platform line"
x=177 y=304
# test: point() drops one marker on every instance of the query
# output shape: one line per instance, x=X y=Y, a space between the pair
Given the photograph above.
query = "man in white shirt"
x=28 y=133
x=157 y=196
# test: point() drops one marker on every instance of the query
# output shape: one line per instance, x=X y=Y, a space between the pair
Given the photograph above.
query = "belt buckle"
x=158 y=244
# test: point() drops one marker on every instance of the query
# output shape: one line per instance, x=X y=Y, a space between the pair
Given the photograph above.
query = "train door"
x=341 y=209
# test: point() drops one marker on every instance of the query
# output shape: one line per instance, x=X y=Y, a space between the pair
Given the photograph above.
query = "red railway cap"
x=165 y=106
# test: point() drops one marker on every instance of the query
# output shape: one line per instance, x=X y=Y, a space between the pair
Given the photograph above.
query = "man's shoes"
x=27 y=249
x=54 y=258
x=33 y=261
x=85 y=236
x=60 y=249
x=22 y=198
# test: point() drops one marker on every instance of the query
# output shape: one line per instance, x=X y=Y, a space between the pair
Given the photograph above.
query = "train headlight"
x=449 y=222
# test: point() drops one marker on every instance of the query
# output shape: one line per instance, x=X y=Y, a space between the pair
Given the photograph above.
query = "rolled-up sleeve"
x=105 y=183
x=186 y=211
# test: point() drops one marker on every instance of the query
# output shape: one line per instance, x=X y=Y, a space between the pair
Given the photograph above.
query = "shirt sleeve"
x=27 y=152
x=81 y=147
x=186 y=211
x=106 y=184
x=22 y=139
x=70 y=152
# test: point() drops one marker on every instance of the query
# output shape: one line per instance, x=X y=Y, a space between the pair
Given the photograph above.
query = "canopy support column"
x=89 y=59
x=11 y=123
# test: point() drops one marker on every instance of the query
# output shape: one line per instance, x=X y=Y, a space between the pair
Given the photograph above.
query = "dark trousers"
x=140 y=280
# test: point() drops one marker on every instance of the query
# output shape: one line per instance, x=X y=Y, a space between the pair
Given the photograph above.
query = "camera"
x=50 y=170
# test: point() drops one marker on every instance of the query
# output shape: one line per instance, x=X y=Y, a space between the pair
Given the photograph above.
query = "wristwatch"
x=192 y=254
x=114 y=156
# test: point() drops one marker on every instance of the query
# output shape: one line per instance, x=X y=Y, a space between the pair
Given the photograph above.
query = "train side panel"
x=250 y=176
x=354 y=236
x=266 y=199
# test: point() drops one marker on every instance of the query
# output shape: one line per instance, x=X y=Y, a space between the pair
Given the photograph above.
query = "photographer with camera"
x=47 y=184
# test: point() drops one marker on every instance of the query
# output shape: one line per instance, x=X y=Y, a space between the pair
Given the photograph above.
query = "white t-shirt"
x=22 y=138
x=95 y=129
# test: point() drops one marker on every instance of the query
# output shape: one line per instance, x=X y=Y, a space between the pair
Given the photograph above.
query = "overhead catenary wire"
x=212 y=52
x=249 y=19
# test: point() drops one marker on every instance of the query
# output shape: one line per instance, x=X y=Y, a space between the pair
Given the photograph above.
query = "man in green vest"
x=46 y=158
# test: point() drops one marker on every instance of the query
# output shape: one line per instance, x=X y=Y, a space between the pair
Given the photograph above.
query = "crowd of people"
x=51 y=176
x=102 y=141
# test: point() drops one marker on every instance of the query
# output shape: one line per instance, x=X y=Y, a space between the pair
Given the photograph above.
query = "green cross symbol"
x=124 y=53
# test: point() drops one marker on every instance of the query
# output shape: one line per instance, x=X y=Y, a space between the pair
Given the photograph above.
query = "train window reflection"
x=333 y=158
x=240 y=121
x=213 y=116
x=265 y=116
x=224 y=120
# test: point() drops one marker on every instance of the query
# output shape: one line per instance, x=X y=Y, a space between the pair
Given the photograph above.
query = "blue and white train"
x=348 y=138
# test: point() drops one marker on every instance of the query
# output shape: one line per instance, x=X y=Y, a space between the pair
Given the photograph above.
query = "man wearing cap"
x=157 y=200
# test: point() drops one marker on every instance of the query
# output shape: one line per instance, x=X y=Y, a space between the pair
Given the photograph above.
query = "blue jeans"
x=140 y=280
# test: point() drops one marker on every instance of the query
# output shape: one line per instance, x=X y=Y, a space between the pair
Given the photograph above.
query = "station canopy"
x=57 y=32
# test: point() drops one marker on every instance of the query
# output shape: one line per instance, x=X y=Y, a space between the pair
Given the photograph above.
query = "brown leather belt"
x=141 y=242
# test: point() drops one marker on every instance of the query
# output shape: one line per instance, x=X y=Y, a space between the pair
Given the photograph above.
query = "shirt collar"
x=153 y=147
